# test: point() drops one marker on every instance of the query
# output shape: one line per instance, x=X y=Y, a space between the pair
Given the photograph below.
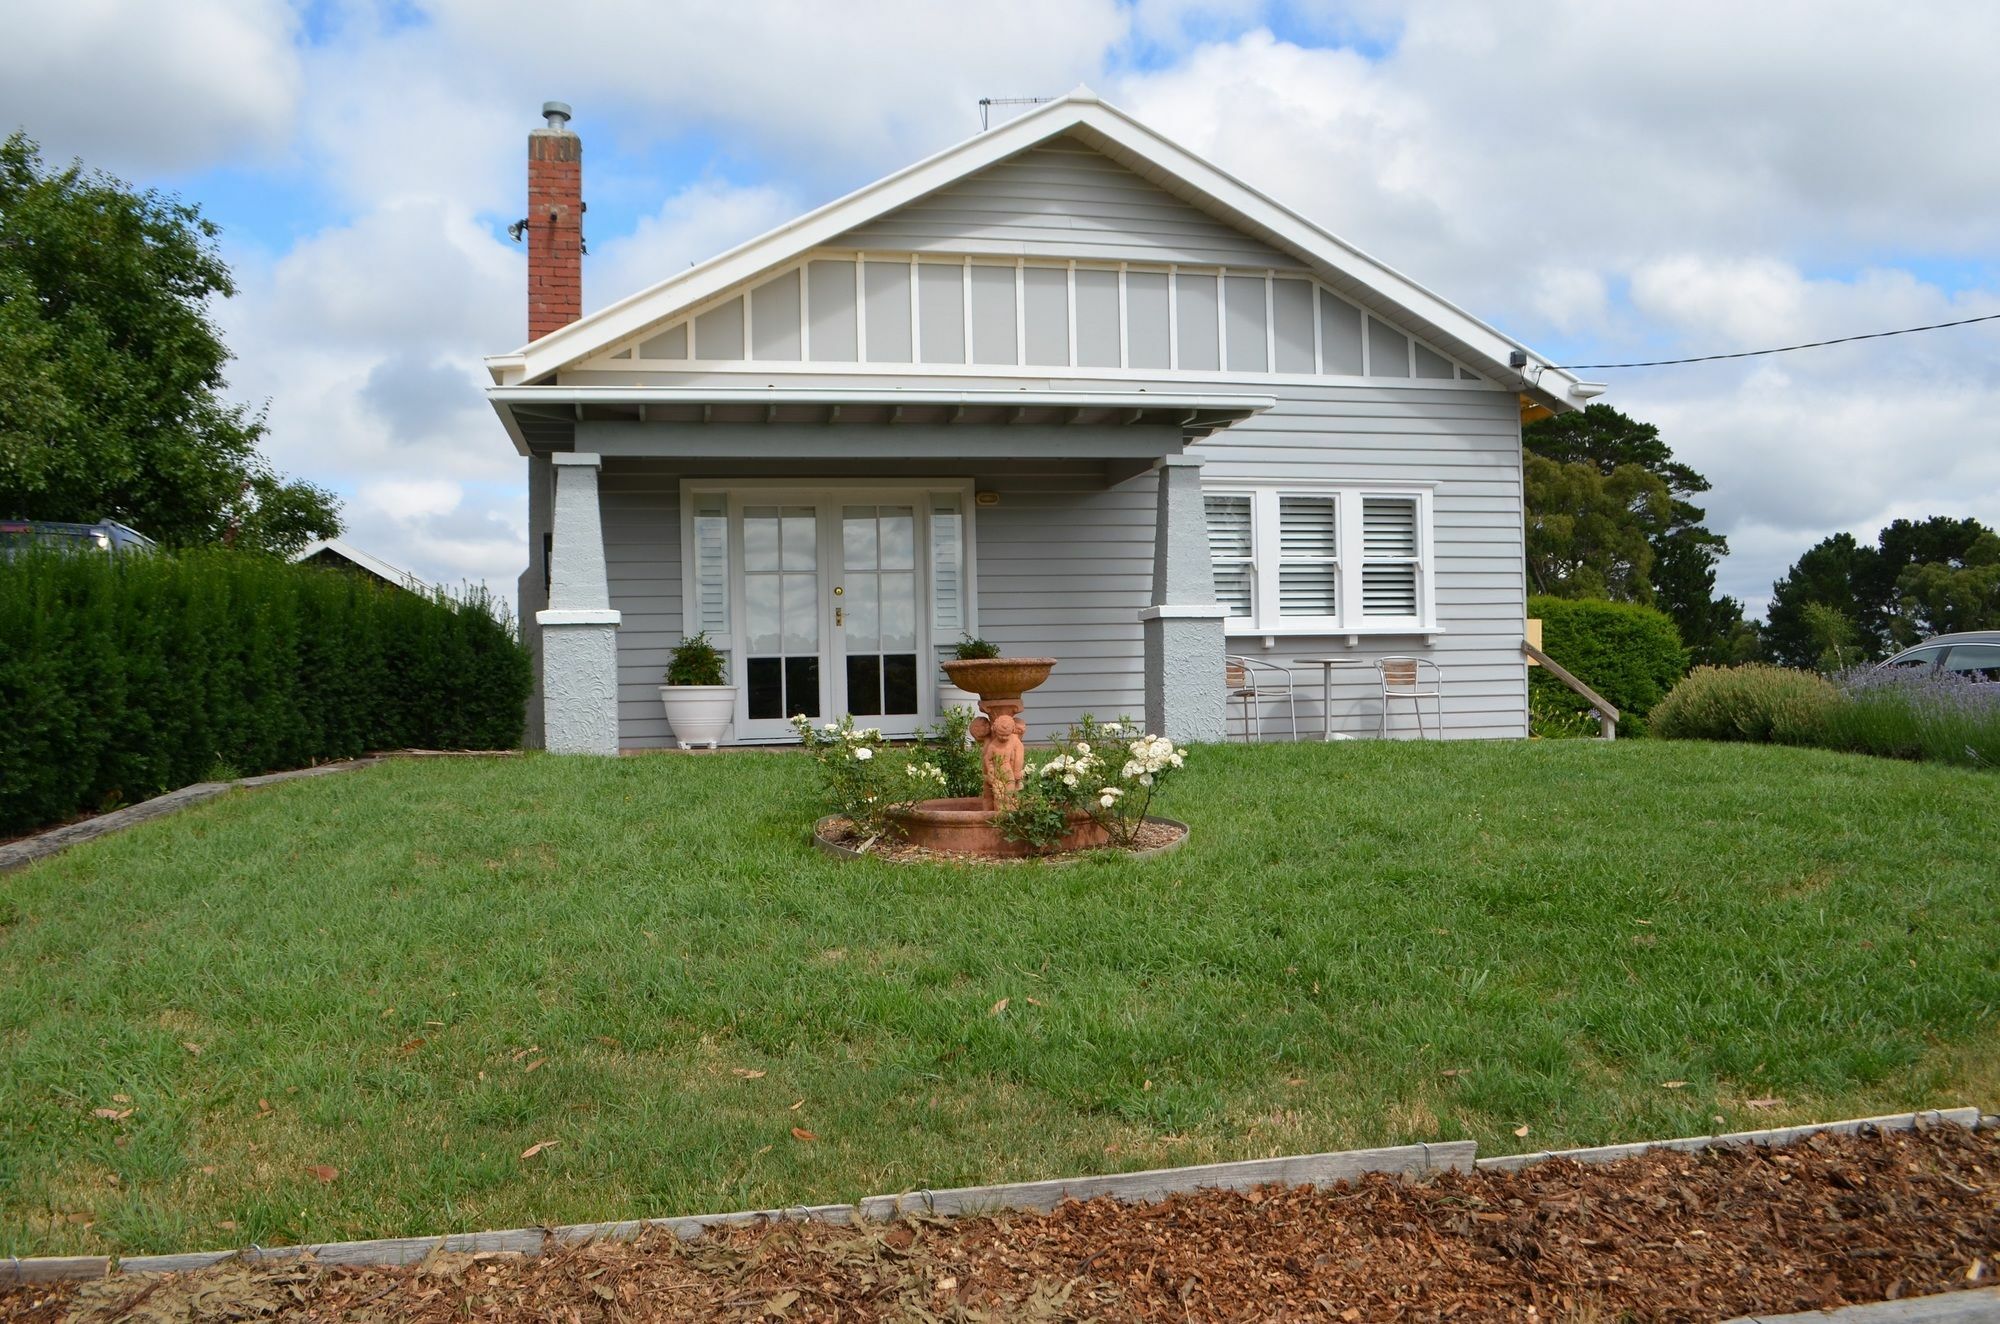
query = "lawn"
x=344 y=1007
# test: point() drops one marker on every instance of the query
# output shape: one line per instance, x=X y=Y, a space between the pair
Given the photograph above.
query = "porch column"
x=1183 y=626
x=579 y=629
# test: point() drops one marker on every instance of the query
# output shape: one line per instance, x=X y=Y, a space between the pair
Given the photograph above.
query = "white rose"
x=1146 y=779
x=863 y=754
x=1082 y=748
x=1070 y=780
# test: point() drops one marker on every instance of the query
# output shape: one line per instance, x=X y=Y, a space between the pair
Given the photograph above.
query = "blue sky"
x=1605 y=182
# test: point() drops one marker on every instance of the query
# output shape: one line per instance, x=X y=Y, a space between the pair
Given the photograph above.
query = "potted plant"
x=951 y=696
x=700 y=706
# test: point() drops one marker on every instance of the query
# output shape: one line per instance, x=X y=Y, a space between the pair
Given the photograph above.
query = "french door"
x=831 y=595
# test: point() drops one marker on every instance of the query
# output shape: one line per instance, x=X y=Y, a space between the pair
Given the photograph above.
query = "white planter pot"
x=951 y=696
x=699 y=714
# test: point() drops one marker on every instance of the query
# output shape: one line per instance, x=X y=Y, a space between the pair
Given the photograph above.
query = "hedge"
x=1630 y=654
x=1894 y=713
x=125 y=676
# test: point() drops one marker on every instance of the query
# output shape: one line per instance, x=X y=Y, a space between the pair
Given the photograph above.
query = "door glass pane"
x=864 y=685
x=897 y=611
x=899 y=683
x=801 y=686
x=766 y=687
x=801 y=538
x=899 y=538
x=863 y=621
x=760 y=538
x=800 y=602
x=857 y=537
x=761 y=612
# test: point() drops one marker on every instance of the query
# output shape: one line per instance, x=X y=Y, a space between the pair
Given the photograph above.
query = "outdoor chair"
x=1415 y=679
x=1249 y=681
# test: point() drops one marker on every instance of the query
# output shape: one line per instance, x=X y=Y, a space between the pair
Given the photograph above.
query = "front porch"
x=835 y=549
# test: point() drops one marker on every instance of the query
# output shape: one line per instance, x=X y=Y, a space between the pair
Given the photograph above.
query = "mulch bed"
x=1831 y=1220
x=1153 y=833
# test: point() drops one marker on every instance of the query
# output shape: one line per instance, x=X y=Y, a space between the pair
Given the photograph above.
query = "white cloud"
x=692 y=226
x=150 y=88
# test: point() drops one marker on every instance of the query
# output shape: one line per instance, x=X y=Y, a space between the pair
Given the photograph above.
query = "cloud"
x=692 y=226
x=151 y=88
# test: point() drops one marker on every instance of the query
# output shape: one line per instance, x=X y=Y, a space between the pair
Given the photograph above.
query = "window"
x=1311 y=559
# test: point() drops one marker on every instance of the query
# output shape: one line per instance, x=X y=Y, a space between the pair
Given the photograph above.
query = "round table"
x=1327 y=666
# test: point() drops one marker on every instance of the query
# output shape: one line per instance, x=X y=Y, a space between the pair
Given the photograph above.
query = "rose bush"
x=1108 y=770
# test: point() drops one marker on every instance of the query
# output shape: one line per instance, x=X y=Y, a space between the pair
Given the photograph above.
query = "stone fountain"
x=968 y=825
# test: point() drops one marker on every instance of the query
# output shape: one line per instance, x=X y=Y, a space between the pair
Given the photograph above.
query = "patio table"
x=1327 y=666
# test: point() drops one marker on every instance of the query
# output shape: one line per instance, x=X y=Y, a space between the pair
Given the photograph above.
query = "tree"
x=111 y=372
x=1608 y=516
x=1921 y=577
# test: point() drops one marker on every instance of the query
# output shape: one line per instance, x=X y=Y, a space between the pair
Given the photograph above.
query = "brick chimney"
x=554 y=223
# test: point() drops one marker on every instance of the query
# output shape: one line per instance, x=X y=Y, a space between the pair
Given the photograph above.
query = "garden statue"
x=1001 y=755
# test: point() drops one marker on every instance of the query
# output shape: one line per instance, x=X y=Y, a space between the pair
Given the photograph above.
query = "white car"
x=1974 y=654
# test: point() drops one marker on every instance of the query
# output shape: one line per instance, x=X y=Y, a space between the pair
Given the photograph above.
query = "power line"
x=1782 y=349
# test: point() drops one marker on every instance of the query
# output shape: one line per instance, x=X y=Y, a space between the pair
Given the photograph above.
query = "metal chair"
x=1250 y=681
x=1415 y=679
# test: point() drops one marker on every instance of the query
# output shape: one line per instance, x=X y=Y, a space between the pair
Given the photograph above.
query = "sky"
x=1605 y=182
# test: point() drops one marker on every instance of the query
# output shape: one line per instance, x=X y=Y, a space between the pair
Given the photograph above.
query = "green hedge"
x=1894 y=714
x=124 y=676
x=1630 y=654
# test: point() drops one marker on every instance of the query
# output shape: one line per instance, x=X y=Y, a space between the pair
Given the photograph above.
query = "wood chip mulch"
x=1831 y=1220
x=1153 y=833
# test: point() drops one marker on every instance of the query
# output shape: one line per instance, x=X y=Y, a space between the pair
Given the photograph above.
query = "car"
x=1973 y=654
x=107 y=535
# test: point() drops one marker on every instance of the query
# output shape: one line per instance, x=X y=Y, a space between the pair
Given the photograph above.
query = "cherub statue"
x=1001 y=757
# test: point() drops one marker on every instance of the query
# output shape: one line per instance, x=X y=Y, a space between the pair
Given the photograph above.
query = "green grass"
x=1363 y=944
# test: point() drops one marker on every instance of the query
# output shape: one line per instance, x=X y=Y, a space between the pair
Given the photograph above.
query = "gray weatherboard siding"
x=1062 y=199
x=1065 y=562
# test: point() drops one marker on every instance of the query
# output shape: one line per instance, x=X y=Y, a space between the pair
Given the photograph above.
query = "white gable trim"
x=1123 y=139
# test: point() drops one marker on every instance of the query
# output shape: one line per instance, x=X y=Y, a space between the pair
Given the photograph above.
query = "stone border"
x=1970 y=1118
x=840 y=852
x=1317 y=1170
x=19 y=854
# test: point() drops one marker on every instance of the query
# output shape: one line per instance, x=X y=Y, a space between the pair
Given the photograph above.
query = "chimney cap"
x=556 y=113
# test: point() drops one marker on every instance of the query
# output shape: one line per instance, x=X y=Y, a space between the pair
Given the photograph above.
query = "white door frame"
x=827 y=497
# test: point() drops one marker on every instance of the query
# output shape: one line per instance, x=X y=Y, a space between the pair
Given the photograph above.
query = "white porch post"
x=1183 y=626
x=579 y=629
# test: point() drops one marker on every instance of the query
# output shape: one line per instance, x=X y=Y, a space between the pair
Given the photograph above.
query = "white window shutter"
x=710 y=610
x=1308 y=556
x=1389 y=552
x=1230 y=549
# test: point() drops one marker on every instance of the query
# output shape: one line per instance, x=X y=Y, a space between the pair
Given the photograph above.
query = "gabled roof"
x=1124 y=140
x=374 y=565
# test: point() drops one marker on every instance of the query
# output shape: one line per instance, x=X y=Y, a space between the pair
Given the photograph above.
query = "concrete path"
x=1981 y=1304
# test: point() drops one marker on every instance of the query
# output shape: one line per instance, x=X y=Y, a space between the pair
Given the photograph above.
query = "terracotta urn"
x=1000 y=678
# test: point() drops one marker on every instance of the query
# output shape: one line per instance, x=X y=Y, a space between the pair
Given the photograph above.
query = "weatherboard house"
x=1064 y=386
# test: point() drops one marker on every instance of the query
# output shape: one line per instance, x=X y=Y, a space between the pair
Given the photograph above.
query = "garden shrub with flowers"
x=1109 y=770
x=866 y=779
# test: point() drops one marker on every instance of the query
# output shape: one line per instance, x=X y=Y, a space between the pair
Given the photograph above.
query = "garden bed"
x=1829 y=1221
x=839 y=837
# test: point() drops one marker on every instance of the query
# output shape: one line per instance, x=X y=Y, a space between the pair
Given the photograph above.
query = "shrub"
x=1911 y=714
x=1630 y=654
x=125 y=676
x=695 y=662
x=1754 y=702
x=968 y=649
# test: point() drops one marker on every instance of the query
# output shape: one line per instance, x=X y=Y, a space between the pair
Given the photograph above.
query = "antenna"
x=986 y=104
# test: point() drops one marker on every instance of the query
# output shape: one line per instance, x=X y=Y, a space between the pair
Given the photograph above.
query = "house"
x=333 y=554
x=1064 y=386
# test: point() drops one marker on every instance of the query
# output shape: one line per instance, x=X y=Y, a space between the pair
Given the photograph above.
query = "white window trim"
x=1265 y=561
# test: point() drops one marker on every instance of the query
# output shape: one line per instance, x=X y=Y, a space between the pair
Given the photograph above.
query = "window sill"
x=1235 y=629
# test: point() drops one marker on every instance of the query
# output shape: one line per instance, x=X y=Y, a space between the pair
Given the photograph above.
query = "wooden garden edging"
x=1317 y=1170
